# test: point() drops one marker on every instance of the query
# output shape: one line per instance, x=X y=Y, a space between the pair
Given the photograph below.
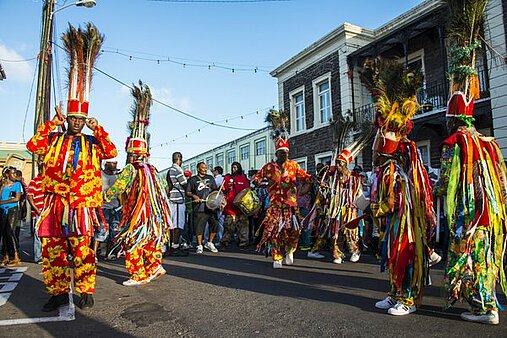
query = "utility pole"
x=43 y=96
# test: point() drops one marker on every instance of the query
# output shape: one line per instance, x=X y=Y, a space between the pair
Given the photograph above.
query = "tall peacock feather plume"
x=83 y=48
x=393 y=89
x=139 y=139
x=278 y=121
x=466 y=19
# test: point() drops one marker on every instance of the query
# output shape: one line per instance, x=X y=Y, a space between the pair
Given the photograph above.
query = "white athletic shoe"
x=435 y=258
x=211 y=247
x=337 y=260
x=489 y=318
x=401 y=309
x=277 y=264
x=132 y=282
x=355 y=257
x=289 y=259
x=199 y=250
x=385 y=304
x=315 y=255
x=160 y=271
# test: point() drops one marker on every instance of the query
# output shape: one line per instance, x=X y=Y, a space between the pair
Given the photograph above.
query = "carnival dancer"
x=473 y=179
x=345 y=188
x=71 y=181
x=398 y=205
x=281 y=225
x=145 y=216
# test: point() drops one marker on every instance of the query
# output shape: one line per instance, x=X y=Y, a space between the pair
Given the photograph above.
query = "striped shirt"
x=35 y=190
x=178 y=179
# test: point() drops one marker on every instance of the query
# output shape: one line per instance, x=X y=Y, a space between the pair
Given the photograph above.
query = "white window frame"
x=229 y=162
x=303 y=160
x=319 y=156
x=209 y=163
x=292 y=94
x=316 y=100
x=247 y=146
x=427 y=145
x=218 y=162
x=414 y=56
x=265 y=146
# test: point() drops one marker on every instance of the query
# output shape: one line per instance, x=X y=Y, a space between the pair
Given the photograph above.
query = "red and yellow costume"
x=280 y=226
x=72 y=207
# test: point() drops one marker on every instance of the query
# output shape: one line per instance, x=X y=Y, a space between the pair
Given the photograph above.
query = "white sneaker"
x=435 y=258
x=355 y=257
x=132 y=282
x=489 y=318
x=289 y=259
x=210 y=246
x=401 y=309
x=315 y=255
x=184 y=246
x=337 y=260
x=199 y=250
x=277 y=264
x=160 y=271
x=385 y=304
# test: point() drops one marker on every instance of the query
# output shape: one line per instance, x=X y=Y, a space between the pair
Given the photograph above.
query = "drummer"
x=234 y=183
x=199 y=187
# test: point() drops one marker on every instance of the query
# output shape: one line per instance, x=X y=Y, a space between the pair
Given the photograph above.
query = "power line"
x=24 y=60
x=198 y=130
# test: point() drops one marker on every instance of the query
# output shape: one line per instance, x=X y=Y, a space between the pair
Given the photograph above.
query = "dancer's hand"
x=92 y=123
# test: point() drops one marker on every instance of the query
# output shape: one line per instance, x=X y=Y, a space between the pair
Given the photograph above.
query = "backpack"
x=170 y=184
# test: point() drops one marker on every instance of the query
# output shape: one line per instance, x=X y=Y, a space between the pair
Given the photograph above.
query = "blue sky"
x=238 y=35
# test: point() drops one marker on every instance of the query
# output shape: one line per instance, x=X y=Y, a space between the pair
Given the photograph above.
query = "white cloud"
x=166 y=96
x=16 y=71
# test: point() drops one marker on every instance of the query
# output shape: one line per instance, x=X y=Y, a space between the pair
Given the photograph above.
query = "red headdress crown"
x=458 y=105
x=282 y=144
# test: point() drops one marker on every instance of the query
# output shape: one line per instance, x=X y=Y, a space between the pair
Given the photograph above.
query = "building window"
x=231 y=156
x=424 y=151
x=192 y=168
x=301 y=162
x=209 y=163
x=322 y=99
x=260 y=147
x=323 y=158
x=220 y=160
x=299 y=111
x=245 y=152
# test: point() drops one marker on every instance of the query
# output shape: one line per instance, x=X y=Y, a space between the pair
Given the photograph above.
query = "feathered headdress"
x=83 y=48
x=278 y=120
x=466 y=19
x=393 y=89
x=139 y=139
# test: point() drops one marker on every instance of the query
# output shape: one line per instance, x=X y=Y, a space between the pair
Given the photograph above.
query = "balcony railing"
x=433 y=97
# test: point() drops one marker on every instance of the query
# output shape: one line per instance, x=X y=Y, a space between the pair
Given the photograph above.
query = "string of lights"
x=220 y=1
x=186 y=62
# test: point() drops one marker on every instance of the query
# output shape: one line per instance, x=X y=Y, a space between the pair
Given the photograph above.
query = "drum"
x=215 y=200
x=247 y=201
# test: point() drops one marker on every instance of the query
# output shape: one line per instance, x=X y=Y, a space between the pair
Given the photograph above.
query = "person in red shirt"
x=234 y=218
x=35 y=197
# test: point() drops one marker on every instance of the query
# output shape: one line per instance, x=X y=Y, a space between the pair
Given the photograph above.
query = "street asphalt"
x=237 y=294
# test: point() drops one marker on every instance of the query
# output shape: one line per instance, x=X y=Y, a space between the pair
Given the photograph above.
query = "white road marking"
x=65 y=313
